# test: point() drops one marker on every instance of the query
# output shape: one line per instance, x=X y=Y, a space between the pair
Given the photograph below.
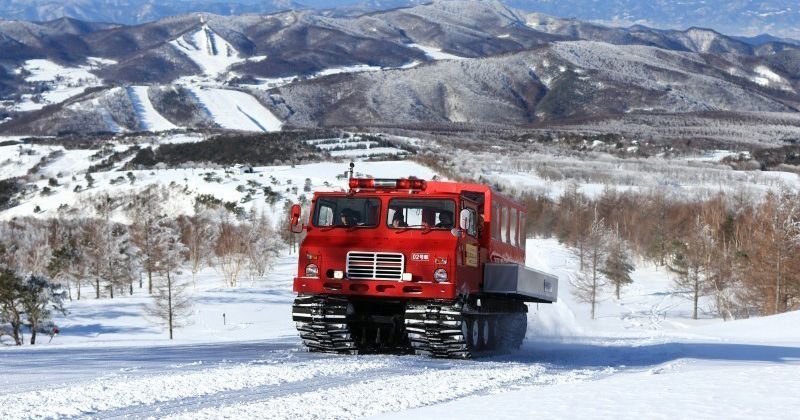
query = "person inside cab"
x=398 y=221
x=348 y=217
x=445 y=220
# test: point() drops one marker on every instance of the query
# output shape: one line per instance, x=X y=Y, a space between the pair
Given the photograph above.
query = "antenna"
x=352 y=165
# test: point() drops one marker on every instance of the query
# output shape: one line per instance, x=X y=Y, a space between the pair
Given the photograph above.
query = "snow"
x=435 y=53
x=110 y=362
x=358 y=68
x=149 y=118
x=371 y=151
x=62 y=82
x=236 y=110
x=212 y=53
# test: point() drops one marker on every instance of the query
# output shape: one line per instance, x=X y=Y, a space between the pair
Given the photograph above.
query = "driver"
x=349 y=217
x=445 y=220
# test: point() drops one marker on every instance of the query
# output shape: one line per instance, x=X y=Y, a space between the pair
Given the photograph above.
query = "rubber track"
x=322 y=324
x=434 y=329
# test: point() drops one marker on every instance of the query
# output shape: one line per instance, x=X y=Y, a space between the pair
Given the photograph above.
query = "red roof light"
x=399 y=184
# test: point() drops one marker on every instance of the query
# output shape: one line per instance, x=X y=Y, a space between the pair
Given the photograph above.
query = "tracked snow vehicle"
x=405 y=265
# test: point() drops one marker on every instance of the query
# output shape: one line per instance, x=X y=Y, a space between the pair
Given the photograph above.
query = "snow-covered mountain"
x=449 y=62
x=748 y=17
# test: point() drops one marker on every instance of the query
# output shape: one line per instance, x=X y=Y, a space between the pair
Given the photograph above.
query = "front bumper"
x=375 y=288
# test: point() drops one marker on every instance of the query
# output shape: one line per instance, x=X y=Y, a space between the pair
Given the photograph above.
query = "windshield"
x=347 y=212
x=420 y=213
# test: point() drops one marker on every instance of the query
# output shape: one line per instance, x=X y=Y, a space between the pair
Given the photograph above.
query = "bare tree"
x=198 y=234
x=262 y=245
x=617 y=266
x=145 y=212
x=590 y=280
x=691 y=261
x=231 y=252
x=171 y=304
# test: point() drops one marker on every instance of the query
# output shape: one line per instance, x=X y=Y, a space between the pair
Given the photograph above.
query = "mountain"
x=132 y=11
x=744 y=17
x=780 y=18
x=445 y=64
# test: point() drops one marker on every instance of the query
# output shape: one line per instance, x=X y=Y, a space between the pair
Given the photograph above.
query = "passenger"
x=398 y=221
x=445 y=220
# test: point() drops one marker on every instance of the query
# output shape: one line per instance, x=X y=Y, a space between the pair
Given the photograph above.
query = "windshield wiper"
x=424 y=226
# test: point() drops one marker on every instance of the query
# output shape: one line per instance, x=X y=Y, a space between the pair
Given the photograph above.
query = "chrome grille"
x=375 y=265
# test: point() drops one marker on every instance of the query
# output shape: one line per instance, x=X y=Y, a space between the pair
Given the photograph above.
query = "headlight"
x=440 y=275
x=312 y=270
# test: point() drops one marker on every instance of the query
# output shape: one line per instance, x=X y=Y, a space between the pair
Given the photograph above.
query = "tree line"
x=741 y=252
x=111 y=258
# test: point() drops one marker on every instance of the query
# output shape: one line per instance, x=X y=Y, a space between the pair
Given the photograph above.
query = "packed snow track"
x=243 y=379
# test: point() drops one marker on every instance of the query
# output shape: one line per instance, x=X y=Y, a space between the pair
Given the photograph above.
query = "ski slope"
x=236 y=110
x=435 y=53
x=149 y=118
x=211 y=52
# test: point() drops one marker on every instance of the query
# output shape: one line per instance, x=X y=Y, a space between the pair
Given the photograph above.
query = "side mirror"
x=294 y=218
x=457 y=232
x=465 y=219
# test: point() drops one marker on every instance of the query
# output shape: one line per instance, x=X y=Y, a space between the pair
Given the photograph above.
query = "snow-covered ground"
x=643 y=358
x=61 y=82
x=435 y=53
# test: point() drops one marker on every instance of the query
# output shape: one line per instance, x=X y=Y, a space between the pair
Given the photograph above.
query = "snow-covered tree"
x=11 y=309
x=40 y=298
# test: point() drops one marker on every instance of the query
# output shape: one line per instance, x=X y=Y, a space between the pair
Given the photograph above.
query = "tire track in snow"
x=395 y=393
x=101 y=394
x=241 y=396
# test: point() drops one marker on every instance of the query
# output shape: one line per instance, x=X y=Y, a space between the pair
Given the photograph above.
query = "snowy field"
x=642 y=358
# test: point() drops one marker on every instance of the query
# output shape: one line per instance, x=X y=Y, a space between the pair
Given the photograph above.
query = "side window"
x=523 y=230
x=495 y=221
x=472 y=229
x=513 y=227
x=325 y=216
x=504 y=226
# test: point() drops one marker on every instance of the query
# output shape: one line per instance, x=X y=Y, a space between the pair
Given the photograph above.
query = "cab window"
x=346 y=212
x=407 y=213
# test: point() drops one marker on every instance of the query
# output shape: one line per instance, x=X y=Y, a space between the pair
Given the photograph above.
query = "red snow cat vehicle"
x=407 y=265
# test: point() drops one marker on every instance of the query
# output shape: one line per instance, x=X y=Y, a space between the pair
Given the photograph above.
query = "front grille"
x=375 y=265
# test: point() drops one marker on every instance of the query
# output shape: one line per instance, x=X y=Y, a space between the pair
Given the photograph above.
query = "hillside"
x=446 y=64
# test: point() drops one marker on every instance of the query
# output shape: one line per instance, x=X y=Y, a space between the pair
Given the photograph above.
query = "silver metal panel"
x=375 y=265
x=522 y=281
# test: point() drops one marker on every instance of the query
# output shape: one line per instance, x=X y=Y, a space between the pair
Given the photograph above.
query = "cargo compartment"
x=526 y=283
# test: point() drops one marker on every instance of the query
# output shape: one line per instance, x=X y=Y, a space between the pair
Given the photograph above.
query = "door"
x=470 y=267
